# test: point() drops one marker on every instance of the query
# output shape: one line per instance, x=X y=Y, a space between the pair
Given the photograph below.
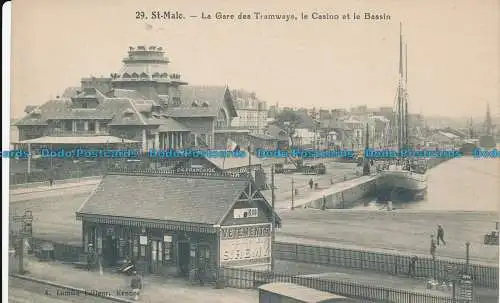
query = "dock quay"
x=341 y=195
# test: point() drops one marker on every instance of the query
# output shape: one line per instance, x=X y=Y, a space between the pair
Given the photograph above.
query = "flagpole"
x=273 y=224
x=224 y=160
x=249 y=159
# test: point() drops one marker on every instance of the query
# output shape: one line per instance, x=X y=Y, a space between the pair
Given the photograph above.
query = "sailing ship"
x=469 y=145
x=402 y=179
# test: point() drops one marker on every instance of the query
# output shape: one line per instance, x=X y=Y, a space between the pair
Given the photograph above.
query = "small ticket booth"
x=173 y=224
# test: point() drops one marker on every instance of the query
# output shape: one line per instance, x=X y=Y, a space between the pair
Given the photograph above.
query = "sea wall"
x=346 y=197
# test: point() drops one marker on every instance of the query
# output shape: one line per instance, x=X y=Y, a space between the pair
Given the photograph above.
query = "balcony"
x=65 y=133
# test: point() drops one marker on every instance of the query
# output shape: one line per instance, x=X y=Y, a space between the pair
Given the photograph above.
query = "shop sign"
x=249 y=244
x=240 y=213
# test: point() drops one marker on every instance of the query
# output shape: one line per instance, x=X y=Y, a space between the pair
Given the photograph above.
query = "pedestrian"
x=440 y=235
x=433 y=247
x=51 y=181
x=90 y=256
x=411 y=266
x=311 y=183
x=136 y=285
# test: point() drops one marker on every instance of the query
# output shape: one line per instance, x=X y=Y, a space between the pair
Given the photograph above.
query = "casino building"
x=149 y=217
x=144 y=105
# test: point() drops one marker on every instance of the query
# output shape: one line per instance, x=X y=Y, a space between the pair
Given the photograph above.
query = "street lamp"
x=467 y=257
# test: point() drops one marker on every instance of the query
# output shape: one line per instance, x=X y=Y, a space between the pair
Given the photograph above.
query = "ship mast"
x=400 y=100
x=407 y=142
x=487 y=123
x=471 y=129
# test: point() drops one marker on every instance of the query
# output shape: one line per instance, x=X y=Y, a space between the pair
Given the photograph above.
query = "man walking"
x=433 y=247
x=440 y=235
x=311 y=183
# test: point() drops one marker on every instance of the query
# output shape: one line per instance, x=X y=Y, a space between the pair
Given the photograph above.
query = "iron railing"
x=394 y=264
x=250 y=279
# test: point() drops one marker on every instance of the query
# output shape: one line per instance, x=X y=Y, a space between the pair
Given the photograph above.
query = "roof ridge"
x=136 y=111
x=179 y=174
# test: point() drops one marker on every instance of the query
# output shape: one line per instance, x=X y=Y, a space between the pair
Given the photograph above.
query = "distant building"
x=144 y=102
x=252 y=113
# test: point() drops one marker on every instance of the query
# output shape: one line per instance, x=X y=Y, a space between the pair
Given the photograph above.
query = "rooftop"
x=158 y=195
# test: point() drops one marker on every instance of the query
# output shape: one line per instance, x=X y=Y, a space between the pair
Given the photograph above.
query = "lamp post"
x=273 y=224
x=467 y=249
x=26 y=230
x=293 y=194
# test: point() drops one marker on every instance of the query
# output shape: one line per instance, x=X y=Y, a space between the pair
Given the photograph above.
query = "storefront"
x=149 y=218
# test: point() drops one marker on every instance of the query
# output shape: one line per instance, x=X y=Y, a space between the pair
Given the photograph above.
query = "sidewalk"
x=156 y=289
x=62 y=184
x=335 y=188
x=484 y=295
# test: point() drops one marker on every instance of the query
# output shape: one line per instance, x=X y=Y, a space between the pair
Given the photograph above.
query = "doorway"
x=109 y=250
x=184 y=258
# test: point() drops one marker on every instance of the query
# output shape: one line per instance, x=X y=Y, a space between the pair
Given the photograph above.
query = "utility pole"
x=26 y=230
x=467 y=257
x=273 y=224
x=293 y=194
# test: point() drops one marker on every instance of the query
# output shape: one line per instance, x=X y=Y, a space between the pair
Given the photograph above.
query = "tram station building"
x=170 y=224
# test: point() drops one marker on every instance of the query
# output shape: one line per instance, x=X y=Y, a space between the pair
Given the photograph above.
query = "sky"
x=453 y=50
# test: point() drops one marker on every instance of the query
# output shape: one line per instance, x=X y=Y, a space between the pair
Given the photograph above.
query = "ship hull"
x=401 y=186
x=487 y=142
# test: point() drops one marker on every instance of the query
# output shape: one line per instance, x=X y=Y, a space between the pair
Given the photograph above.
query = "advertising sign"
x=245 y=245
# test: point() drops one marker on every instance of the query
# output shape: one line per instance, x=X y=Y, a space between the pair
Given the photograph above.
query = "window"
x=221 y=119
x=156 y=251
x=135 y=248
x=168 y=245
x=84 y=105
x=68 y=125
x=91 y=126
x=80 y=125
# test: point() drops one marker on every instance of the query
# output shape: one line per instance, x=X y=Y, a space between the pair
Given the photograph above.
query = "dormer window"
x=144 y=76
x=204 y=104
x=195 y=104
x=36 y=112
x=126 y=76
x=135 y=75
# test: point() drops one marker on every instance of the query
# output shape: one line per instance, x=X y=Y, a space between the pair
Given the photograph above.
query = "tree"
x=288 y=121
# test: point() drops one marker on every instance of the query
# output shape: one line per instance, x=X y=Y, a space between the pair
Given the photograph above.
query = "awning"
x=78 y=140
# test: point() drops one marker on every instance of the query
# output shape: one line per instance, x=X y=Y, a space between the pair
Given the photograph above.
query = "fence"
x=61 y=252
x=60 y=174
x=249 y=279
x=393 y=264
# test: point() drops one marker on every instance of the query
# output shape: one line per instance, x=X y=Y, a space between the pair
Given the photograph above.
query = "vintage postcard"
x=251 y=151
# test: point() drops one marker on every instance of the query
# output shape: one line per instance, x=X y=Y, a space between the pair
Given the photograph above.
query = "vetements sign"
x=245 y=245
